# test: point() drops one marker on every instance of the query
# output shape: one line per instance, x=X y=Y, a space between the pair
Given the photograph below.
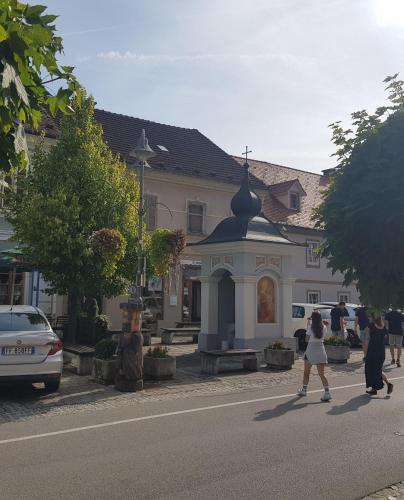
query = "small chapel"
x=247 y=279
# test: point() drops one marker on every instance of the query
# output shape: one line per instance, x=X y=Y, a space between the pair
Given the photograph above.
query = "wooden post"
x=129 y=376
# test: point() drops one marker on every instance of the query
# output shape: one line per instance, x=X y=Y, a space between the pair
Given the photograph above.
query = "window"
x=22 y=322
x=294 y=201
x=151 y=211
x=343 y=297
x=312 y=254
x=298 y=312
x=313 y=296
x=196 y=212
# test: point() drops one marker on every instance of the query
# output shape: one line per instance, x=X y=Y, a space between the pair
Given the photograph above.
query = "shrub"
x=105 y=349
x=158 y=352
x=336 y=341
x=101 y=326
x=278 y=346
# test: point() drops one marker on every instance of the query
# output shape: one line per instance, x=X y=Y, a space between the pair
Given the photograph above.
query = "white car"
x=29 y=350
x=301 y=312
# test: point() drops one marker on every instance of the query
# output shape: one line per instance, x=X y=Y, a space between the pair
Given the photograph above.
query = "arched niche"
x=266 y=300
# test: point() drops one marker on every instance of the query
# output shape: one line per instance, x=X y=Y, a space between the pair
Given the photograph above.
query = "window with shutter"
x=196 y=212
x=151 y=211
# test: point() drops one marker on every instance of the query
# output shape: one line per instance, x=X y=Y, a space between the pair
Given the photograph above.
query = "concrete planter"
x=104 y=371
x=159 y=368
x=279 y=359
x=337 y=353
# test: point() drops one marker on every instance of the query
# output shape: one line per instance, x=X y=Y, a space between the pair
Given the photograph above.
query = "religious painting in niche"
x=266 y=300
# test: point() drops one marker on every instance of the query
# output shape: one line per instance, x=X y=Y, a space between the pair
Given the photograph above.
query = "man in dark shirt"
x=362 y=320
x=337 y=320
x=394 y=320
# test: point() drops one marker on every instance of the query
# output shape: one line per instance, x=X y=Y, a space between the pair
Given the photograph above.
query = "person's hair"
x=377 y=320
x=317 y=325
x=342 y=303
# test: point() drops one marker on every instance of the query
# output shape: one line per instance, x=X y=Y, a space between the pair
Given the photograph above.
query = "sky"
x=270 y=74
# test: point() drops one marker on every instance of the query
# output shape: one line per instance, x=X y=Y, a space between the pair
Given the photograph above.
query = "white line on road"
x=169 y=414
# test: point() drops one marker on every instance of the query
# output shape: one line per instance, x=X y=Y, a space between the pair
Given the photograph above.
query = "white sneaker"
x=326 y=396
x=302 y=392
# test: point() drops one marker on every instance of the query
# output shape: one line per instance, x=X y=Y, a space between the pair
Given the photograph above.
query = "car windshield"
x=22 y=322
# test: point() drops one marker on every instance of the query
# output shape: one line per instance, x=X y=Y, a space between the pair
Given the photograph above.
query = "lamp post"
x=142 y=152
x=130 y=356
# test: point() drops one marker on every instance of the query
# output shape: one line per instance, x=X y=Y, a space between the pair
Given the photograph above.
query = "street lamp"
x=142 y=152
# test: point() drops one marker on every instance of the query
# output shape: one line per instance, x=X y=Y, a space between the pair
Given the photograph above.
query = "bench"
x=168 y=334
x=81 y=357
x=188 y=324
x=210 y=359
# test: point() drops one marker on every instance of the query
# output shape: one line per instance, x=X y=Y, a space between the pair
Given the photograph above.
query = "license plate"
x=17 y=351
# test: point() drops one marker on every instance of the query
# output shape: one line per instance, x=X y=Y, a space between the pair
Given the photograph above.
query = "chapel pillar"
x=245 y=311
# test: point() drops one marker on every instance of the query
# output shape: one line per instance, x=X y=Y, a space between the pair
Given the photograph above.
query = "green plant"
x=29 y=52
x=105 y=349
x=158 y=352
x=362 y=211
x=165 y=248
x=278 y=346
x=80 y=200
x=102 y=324
x=337 y=341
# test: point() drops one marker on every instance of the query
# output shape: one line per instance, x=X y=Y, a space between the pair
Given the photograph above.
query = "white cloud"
x=116 y=55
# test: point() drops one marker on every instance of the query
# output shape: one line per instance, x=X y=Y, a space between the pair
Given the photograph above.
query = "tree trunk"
x=73 y=311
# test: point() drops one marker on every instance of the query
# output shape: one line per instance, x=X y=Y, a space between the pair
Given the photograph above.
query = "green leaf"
x=3 y=34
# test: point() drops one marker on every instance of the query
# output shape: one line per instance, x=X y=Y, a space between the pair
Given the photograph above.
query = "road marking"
x=170 y=414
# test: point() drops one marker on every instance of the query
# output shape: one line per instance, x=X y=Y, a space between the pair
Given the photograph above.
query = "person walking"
x=375 y=358
x=362 y=321
x=394 y=323
x=337 y=320
x=315 y=355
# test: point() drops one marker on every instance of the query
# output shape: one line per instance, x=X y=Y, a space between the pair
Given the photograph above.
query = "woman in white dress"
x=315 y=354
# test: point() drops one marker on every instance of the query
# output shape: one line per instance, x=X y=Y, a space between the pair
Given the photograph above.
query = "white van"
x=301 y=312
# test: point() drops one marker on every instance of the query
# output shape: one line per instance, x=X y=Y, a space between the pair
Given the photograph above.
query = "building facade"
x=189 y=186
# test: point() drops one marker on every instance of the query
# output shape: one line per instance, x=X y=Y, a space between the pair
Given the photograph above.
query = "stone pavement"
x=81 y=395
x=393 y=492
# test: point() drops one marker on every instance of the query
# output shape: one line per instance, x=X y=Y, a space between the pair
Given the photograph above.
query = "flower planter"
x=279 y=359
x=104 y=371
x=159 y=368
x=337 y=353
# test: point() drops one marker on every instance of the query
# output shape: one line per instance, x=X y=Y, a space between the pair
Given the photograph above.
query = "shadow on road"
x=352 y=405
x=284 y=408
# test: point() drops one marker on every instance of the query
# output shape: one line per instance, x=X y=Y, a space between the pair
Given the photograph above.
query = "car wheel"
x=52 y=385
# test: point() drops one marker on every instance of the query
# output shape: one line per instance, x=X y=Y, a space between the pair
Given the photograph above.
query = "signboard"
x=155 y=284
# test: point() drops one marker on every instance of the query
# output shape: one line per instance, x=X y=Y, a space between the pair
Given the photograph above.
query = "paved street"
x=253 y=442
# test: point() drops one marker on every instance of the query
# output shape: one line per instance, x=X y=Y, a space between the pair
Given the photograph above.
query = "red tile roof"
x=276 y=177
x=282 y=188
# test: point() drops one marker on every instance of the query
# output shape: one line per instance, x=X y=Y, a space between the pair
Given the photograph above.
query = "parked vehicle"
x=29 y=349
x=301 y=312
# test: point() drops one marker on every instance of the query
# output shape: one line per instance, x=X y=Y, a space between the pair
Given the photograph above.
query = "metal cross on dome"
x=246 y=153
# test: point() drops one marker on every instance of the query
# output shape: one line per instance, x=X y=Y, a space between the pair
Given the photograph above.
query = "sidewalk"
x=80 y=394
x=394 y=492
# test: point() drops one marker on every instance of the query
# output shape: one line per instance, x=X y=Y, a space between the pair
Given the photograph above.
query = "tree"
x=28 y=64
x=362 y=213
x=75 y=212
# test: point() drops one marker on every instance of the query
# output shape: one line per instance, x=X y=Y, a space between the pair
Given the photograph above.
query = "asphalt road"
x=265 y=444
